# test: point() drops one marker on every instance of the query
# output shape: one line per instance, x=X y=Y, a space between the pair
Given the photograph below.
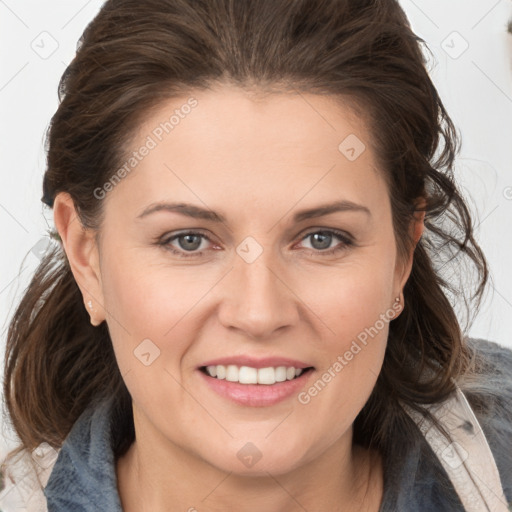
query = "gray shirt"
x=83 y=478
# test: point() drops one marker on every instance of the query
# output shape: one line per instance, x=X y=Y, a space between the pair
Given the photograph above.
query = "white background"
x=475 y=85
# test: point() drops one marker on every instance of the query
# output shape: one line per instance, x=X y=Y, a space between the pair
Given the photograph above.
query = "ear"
x=82 y=253
x=416 y=229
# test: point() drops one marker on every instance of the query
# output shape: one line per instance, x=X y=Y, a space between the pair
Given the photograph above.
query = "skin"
x=257 y=160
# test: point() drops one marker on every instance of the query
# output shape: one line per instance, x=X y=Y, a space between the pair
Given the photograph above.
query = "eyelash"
x=347 y=243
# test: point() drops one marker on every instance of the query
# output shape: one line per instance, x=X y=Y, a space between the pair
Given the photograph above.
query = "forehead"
x=229 y=143
x=233 y=118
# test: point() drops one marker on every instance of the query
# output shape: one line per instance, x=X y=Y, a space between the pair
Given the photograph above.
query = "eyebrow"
x=197 y=212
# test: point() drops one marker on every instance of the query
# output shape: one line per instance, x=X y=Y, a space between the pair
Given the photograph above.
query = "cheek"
x=152 y=324
x=149 y=303
x=354 y=310
x=349 y=299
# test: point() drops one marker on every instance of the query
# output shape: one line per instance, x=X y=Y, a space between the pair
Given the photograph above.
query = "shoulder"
x=494 y=352
x=25 y=476
x=488 y=389
x=489 y=383
x=416 y=476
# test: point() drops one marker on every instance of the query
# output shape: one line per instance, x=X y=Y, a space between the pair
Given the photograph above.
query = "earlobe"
x=81 y=250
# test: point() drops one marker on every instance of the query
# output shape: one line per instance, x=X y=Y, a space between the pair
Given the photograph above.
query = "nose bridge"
x=259 y=302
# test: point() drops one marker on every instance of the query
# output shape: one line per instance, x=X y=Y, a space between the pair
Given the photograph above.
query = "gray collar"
x=83 y=477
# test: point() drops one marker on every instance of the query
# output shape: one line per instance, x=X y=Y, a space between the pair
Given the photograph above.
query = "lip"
x=257 y=395
x=253 y=362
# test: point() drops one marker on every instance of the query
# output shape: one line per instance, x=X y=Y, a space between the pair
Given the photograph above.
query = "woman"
x=247 y=307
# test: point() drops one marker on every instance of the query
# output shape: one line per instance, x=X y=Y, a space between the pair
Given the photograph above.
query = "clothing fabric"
x=83 y=477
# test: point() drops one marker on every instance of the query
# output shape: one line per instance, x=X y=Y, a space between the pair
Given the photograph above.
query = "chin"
x=249 y=460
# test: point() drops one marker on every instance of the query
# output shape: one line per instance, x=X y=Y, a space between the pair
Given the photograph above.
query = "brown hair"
x=137 y=53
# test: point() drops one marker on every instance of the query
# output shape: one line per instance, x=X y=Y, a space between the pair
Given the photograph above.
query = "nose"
x=257 y=300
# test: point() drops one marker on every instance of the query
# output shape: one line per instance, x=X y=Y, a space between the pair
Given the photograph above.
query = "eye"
x=188 y=242
x=322 y=239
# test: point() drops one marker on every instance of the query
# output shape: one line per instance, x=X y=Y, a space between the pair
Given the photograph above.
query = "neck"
x=344 y=478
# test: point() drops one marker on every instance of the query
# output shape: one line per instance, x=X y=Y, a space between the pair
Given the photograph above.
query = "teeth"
x=248 y=375
x=220 y=370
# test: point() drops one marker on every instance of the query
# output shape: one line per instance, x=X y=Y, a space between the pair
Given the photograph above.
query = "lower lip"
x=257 y=395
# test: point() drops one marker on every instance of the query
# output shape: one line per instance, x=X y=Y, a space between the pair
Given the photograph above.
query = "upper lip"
x=253 y=362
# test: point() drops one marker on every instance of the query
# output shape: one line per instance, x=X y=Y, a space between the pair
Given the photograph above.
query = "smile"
x=231 y=382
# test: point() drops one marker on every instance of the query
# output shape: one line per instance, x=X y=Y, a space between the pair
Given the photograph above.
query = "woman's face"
x=267 y=280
